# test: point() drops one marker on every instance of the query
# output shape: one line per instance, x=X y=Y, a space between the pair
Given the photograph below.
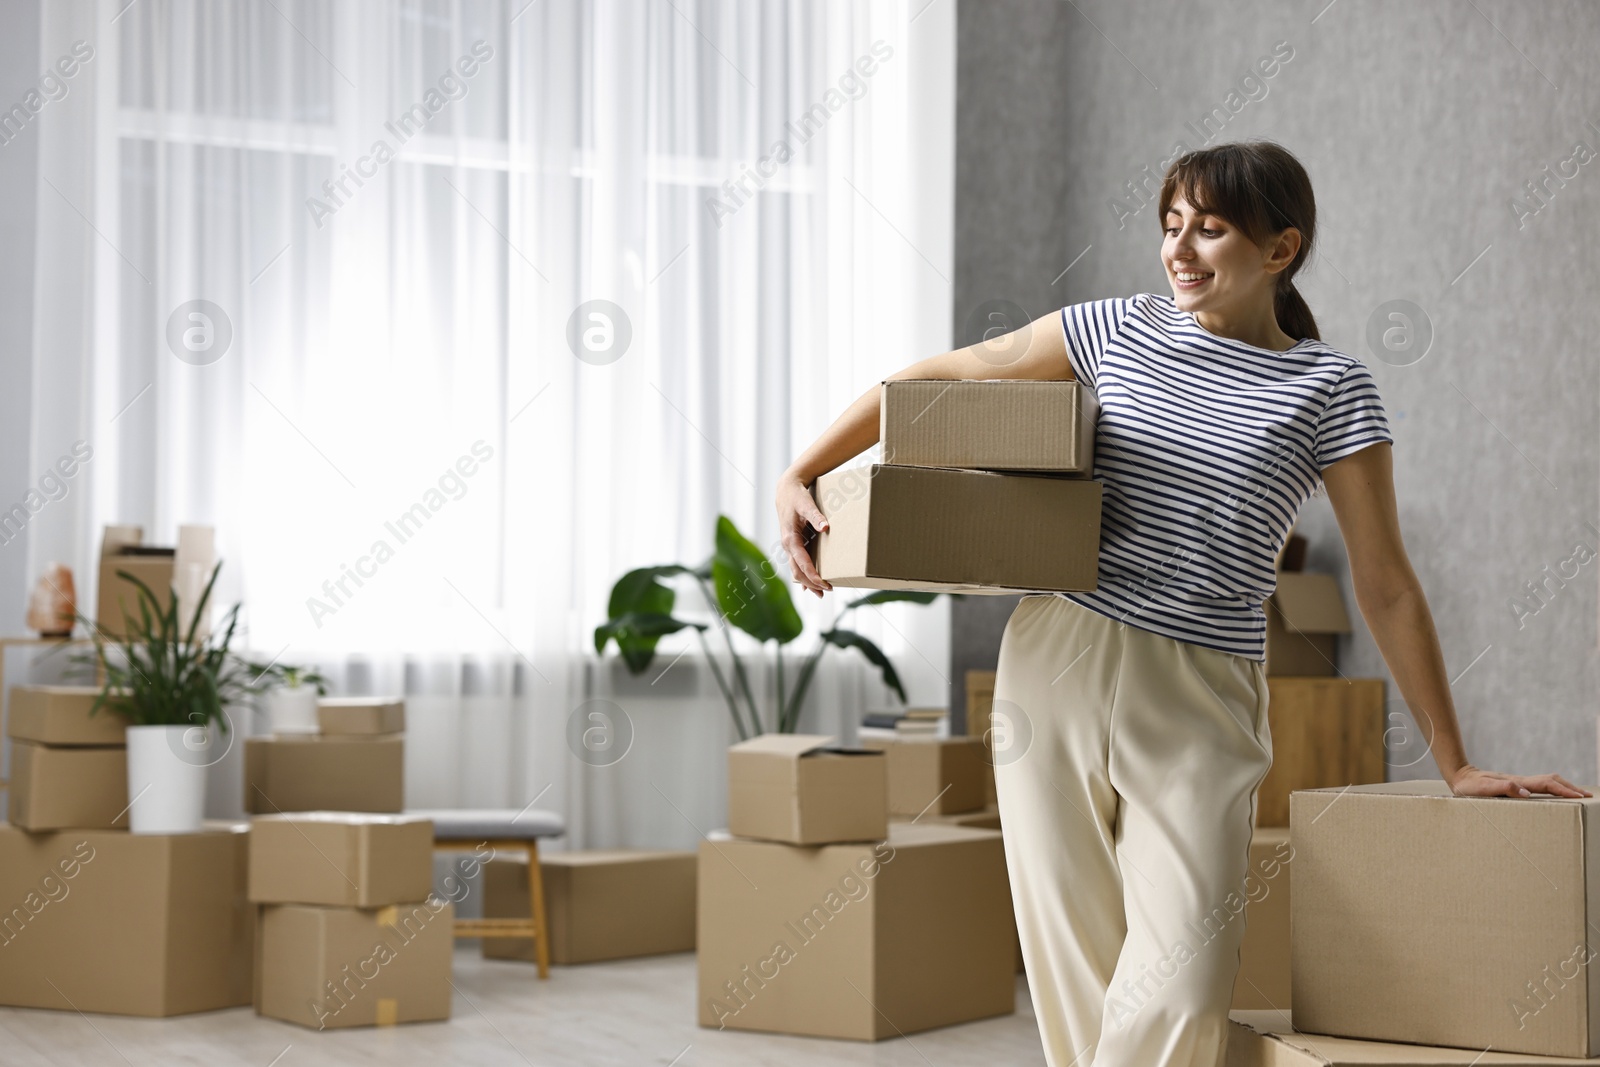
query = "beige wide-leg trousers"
x=1126 y=766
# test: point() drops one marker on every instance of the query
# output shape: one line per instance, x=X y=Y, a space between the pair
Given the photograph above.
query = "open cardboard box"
x=1305 y=616
x=805 y=790
x=184 y=569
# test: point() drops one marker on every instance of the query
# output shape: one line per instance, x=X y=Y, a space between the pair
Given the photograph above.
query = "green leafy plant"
x=748 y=595
x=156 y=674
x=288 y=675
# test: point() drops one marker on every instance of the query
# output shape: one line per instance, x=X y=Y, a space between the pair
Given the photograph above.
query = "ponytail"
x=1294 y=314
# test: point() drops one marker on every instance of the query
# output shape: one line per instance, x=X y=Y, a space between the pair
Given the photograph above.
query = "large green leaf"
x=851 y=639
x=749 y=591
x=639 y=592
x=636 y=634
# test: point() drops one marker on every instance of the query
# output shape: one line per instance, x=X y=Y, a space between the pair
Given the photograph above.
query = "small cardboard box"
x=960 y=531
x=185 y=568
x=1268 y=1039
x=1000 y=425
x=1263 y=980
x=937 y=775
x=1420 y=916
x=340 y=859
x=1305 y=616
x=285 y=774
x=331 y=968
x=599 y=905
x=361 y=716
x=127 y=924
x=59 y=715
x=803 y=789
x=78 y=788
x=858 y=941
x=1325 y=731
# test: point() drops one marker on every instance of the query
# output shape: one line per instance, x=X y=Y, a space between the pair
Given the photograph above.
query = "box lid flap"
x=1311 y=603
x=791 y=745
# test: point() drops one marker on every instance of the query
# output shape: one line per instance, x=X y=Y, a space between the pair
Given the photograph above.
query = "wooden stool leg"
x=541 y=943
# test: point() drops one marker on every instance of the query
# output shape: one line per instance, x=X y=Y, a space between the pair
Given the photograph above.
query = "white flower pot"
x=167 y=778
x=293 y=709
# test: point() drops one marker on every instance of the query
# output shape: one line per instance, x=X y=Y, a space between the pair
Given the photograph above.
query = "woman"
x=1127 y=818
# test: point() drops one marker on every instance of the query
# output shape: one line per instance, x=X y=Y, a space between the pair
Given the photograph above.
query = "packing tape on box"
x=389 y=916
x=388 y=1010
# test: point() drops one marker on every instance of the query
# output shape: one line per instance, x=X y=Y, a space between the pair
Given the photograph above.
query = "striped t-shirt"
x=1206 y=449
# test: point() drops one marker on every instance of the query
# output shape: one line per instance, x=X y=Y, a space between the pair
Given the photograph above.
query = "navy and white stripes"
x=1206 y=448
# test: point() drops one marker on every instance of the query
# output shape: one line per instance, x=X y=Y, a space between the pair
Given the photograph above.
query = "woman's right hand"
x=797 y=511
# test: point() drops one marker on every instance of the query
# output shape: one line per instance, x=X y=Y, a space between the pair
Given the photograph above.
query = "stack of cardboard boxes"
x=985 y=488
x=356 y=762
x=69 y=769
x=350 y=933
x=96 y=919
x=819 y=916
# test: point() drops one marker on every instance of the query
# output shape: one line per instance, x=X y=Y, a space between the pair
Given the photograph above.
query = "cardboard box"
x=340 y=859
x=1267 y=1039
x=940 y=776
x=962 y=531
x=803 y=789
x=331 y=968
x=185 y=568
x=287 y=774
x=1325 y=732
x=986 y=818
x=1292 y=556
x=363 y=716
x=61 y=788
x=59 y=715
x=599 y=905
x=1000 y=425
x=980 y=705
x=1305 y=616
x=128 y=924
x=1263 y=980
x=860 y=941
x=1424 y=917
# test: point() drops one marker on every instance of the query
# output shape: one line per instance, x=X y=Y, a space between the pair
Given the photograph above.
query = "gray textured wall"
x=1421 y=125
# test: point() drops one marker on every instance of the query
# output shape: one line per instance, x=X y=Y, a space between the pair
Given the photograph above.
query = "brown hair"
x=1262 y=189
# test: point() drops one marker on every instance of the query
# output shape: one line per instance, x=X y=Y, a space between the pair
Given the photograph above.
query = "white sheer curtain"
x=393 y=211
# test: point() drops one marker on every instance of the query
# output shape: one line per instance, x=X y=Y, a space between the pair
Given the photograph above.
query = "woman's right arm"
x=1037 y=350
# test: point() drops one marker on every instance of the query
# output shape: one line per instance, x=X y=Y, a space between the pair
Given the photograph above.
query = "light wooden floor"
x=636 y=1012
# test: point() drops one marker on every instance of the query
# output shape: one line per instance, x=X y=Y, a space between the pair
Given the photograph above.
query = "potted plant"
x=292 y=703
x=741 y=585
x=172 y=689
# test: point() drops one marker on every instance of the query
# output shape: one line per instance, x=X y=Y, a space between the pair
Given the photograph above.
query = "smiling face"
x=1212 y=266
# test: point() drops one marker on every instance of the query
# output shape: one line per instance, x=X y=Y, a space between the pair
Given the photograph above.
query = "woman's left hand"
x=1472 y=782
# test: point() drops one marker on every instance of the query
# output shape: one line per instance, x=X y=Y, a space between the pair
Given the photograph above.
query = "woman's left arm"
x=1361 y=489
